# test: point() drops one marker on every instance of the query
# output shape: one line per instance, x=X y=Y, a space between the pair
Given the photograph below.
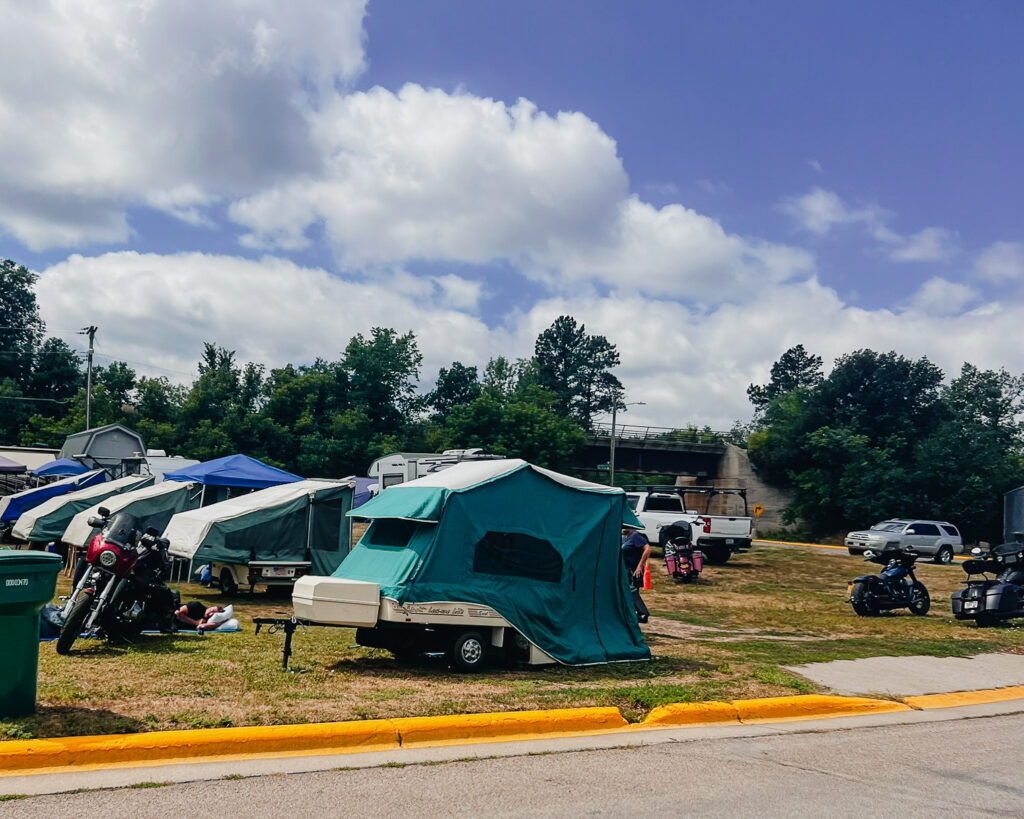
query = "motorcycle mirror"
x=869 y=553
x=96 y=523
x=151 y=531
x=976 y=550
x=104 y=512
x=163 y=543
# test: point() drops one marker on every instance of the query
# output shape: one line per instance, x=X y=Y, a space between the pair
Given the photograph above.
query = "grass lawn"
x=724 y=637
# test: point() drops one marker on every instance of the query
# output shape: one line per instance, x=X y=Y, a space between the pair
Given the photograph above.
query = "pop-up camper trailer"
x=152 y=505
x=50 y=519
x=14 y=506
x=269 y=537
x=487 y=557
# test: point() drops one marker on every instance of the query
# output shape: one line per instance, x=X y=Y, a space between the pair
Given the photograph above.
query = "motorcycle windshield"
x=122 y=530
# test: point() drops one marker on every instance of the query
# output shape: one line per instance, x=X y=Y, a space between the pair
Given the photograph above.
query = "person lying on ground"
x=198 y=616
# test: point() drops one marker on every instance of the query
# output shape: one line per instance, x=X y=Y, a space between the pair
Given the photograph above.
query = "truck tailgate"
x=730 y=527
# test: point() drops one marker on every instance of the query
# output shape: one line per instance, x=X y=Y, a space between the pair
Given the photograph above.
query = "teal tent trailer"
x=490 y=557
x=153 y=505
x=48 y=521
x=268 y=537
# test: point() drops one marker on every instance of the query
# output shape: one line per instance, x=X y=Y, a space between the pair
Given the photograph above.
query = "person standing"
x=636 y=550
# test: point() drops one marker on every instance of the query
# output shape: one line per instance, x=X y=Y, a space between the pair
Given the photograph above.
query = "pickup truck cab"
x=717 y=536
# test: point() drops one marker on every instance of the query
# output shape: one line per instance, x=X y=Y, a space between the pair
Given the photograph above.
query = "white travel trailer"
x=400 y=467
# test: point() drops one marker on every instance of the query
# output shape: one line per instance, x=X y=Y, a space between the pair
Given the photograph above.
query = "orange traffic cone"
x=647 y=577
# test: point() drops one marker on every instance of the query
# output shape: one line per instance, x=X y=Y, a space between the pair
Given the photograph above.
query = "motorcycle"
x=121 y=590
x=988 y=601
x=895 y=587
x=683 y=562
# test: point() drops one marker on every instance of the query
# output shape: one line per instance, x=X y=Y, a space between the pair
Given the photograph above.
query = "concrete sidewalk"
x=911 y=676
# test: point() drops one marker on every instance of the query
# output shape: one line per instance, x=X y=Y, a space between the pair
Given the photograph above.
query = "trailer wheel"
x=469 y=652
x=228 y=586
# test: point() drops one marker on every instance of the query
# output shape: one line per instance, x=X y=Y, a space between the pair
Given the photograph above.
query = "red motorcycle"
x=683 y=562
x=121 y=590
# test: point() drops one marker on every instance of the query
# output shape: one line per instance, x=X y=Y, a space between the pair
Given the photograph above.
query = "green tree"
x=21 y=328
x=383 y=371
x=456 y=385
x=795 y=369
x=576 y=368
x=57 y=372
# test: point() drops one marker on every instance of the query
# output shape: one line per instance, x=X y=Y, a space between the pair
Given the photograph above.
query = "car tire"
x=228 y=586
x=469 y=651
x=944 y=555
x=920 y=600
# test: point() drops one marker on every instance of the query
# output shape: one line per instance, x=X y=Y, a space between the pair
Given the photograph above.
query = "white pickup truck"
x=717 y=536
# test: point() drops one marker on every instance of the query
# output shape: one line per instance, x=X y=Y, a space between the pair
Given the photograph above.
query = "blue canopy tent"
x=12 y=506
x=62 y=467
x=239 y=471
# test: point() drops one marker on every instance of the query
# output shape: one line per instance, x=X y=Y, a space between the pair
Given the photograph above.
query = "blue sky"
x=704 y=183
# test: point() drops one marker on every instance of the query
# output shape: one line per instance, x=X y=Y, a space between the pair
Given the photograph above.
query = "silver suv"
x=937 y=538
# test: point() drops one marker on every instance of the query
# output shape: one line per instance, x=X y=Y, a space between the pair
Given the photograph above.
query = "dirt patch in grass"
x=724 y=637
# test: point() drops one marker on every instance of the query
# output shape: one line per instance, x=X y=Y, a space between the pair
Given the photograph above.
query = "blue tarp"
x=233 y=470
x=12 y=507
x=362 y=493
x=62 y=467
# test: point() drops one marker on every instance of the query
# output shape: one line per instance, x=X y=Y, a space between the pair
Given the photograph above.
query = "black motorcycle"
x=895 y=587
x=122 y=590
x=991 y=600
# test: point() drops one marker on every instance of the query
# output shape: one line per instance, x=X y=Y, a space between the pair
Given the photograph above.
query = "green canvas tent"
x=297 y=521
x=152 y=505
x=540 y=548
x=50 y=519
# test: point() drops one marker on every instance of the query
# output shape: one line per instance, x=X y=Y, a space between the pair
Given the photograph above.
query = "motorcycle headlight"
x=108 y=558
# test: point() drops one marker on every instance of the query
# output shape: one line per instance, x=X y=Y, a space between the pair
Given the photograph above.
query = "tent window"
x=327 y=522
x=392 y=531
x=517 y=555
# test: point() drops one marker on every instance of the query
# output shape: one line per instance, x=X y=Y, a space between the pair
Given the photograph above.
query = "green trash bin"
x=27 y=582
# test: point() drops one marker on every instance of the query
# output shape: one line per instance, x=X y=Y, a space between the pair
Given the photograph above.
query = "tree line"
x=327 y=418
x=885 y=436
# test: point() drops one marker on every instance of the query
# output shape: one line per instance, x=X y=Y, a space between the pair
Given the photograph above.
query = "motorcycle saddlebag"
x=1002 y=597
x=670 y=562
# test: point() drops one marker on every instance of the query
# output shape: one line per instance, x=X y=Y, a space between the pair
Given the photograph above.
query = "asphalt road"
x=966 y=767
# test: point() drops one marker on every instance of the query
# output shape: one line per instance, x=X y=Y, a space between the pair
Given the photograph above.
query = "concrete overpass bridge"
x=655 y=451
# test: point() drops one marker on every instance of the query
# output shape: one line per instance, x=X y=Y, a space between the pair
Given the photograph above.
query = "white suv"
x=937 y=538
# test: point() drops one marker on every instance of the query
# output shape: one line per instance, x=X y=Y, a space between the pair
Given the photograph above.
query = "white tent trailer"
x=269 y=537
x=400 y=467
x=153 y=505
x=48 y=521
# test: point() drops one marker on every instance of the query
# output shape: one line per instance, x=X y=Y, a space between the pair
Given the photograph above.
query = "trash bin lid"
x=15 y=560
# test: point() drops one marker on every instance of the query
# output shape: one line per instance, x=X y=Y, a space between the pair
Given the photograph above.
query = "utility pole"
x=618 y=402
x=91 y=332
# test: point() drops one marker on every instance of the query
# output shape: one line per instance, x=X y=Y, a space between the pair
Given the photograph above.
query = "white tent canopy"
x=145 y=501
x=188 y=530
x=35 y=524
x=472 y=473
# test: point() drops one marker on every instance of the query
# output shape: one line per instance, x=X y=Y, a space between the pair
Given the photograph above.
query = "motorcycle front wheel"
x=72 y=627
x=920 y=601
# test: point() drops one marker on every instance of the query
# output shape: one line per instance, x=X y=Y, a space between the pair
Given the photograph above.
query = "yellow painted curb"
x=115 y=749
x=811 y=706
x=769 y=709
x=691 y=713
x=929 y=701
x=508 y=725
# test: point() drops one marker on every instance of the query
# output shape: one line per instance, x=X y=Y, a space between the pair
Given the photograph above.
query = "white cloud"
x=816 y=165
x=941 y=297
x=689 y=365
x=423 y=173
x=1001 y=262
x=931 y=244
x=168 y=103
x=819 y=211
x=158 y=310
